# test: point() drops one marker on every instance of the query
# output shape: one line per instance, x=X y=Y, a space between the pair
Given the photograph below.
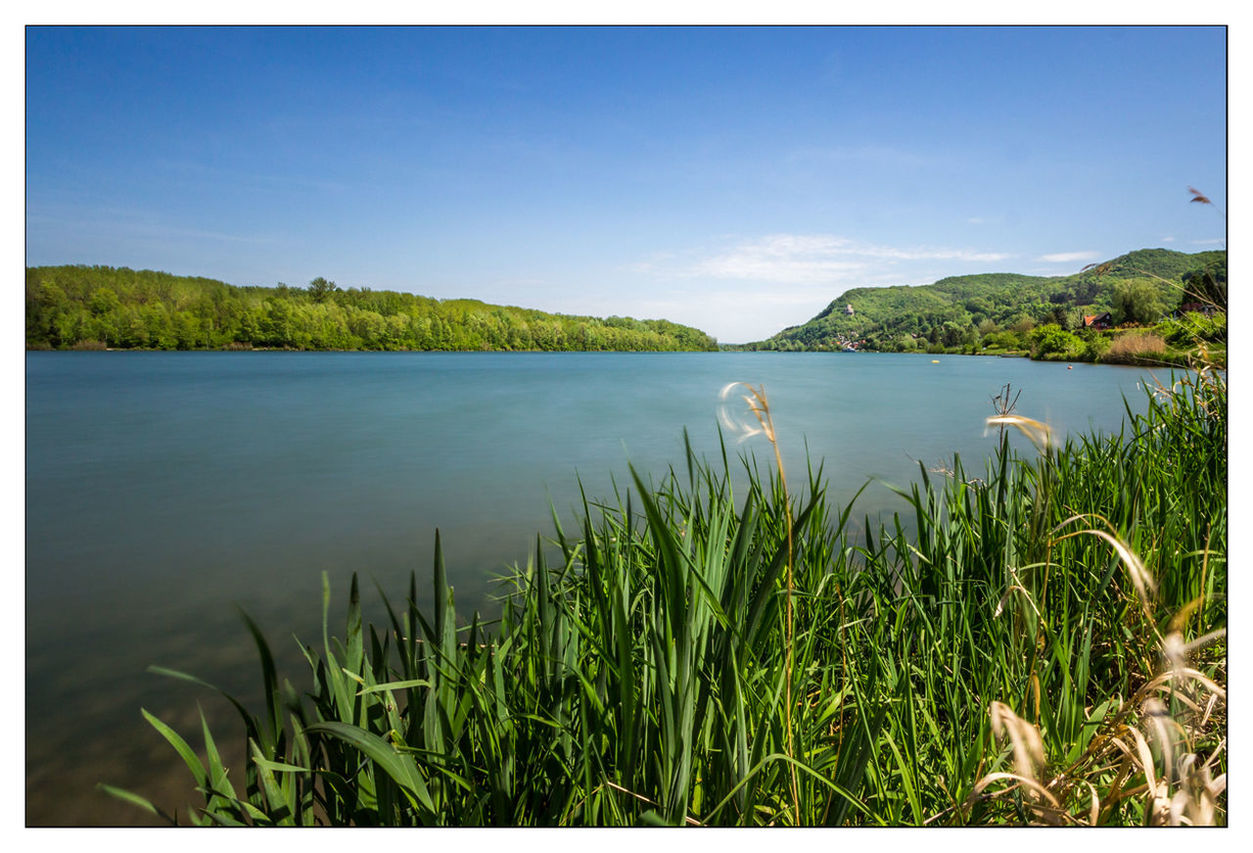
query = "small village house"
x=1097 y=321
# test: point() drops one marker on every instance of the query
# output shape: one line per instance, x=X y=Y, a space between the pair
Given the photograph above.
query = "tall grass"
x=1136 y=346
x=1041 y=643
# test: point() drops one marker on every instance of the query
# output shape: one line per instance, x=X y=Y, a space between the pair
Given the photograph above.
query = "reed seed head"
x=1040 y=433
x=1025 y=738
x=735 y=419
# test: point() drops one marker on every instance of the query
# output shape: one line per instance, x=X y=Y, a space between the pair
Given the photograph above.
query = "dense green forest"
x=1005 y=311
x=98 y=307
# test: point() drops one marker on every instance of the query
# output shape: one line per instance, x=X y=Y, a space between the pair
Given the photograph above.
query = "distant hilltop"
x=100 y=307
x=965 y=312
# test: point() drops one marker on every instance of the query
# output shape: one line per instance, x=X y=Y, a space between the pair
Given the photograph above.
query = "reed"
x=1039 y=644
x=1134 y=345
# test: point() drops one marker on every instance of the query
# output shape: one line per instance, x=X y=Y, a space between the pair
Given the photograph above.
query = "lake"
x=163 y=489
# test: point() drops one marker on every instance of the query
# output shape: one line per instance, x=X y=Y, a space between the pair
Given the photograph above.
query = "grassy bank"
x=1040 y=641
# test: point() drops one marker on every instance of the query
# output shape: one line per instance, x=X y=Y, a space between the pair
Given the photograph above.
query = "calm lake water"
x=162 y=489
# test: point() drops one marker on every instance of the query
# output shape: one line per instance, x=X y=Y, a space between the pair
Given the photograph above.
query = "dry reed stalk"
x=759 y=405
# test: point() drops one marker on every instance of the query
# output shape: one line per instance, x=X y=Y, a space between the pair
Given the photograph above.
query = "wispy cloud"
x=1168 y=239
x=748 y=288
x=1216 y=241
x=817 y=259
x=1069 y=257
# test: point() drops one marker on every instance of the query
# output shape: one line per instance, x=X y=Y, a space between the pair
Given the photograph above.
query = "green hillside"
x=971 y=310
x=97 y=307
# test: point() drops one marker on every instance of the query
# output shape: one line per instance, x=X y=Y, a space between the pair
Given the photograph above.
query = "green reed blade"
x=401 y=770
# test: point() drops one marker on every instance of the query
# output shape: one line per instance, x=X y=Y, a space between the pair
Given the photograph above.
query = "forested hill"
x=960 y=310
x=96 y=307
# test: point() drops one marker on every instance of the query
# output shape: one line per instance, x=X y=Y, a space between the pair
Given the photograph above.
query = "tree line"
x=99 y=307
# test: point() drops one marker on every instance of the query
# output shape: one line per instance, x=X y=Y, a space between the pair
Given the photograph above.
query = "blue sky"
x=732 y=179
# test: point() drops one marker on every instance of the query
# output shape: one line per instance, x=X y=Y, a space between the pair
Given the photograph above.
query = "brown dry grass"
x=1136 y=344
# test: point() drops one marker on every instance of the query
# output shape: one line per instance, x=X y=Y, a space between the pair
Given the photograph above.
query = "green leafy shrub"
x=1193 y=328
x=1051 y=341
x=1095 y=347
x=1003 y=340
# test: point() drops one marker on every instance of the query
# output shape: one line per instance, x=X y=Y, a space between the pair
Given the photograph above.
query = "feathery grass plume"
x=759 y=407
x=1196 y=801
x=1196 y=790
x=1024 y=737
x=1028 y=753
x=1176 y=651
x=1040 y=433
x=1199 y=695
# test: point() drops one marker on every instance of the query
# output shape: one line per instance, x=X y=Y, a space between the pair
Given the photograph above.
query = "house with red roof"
x=1097 y=321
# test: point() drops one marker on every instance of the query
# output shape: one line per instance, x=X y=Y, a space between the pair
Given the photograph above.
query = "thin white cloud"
x=1069 y=257
x=751 y=288
x=1168 y=239
x=1217 y=241
x=976 y=220
x=819 y=259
